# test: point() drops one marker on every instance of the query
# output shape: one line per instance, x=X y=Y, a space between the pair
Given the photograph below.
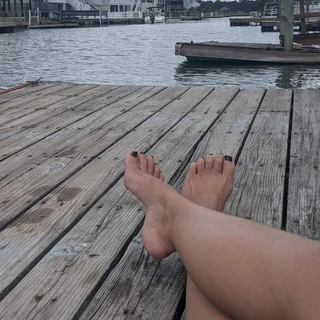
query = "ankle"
x=179 y=207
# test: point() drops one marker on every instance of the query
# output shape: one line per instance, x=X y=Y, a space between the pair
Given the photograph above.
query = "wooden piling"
x=286 y=23
x=303 y=19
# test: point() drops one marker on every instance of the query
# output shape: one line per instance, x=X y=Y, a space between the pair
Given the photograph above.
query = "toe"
x=192 y=170
x=209 y=161
x=218 y=163
x=157 y=172
x=143 y=164
x=150 y=165
x=132 y=170
x=201 y=165
x=228 y=169
x=131 y=161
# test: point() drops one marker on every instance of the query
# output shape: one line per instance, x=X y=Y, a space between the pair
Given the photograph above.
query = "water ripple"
x=140 y=54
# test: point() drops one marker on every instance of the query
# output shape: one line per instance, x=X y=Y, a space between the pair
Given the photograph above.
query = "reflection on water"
x=140 y=54
x=248 y=76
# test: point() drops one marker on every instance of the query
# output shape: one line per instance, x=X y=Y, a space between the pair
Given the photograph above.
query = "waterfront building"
x=14 y=5
x=115 y=8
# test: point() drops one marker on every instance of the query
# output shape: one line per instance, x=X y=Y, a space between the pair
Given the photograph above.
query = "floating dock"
x=247 y=53
x=271 y=24
x=10 y=27
x=248 y=21
x=70 y=246
x=54 y=26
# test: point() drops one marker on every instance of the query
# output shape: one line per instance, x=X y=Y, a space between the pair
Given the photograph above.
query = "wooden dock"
x=70 y=246
x=10 y=27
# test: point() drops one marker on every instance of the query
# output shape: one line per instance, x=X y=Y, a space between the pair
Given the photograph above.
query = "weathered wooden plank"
x=50 y=124
x=32 y=186
x=112 y=222
x=19 y=86
x=259 y=185
x=49 y=107
x=21 y=105
x=25 y=91
x=69 y=141
x=303 y=213
x=36 y=102
x=227 y=135
x=140 y=289
x=32 y=118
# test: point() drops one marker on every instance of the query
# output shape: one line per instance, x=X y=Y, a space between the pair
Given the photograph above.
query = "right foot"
x=143 y=178
x=209 y=181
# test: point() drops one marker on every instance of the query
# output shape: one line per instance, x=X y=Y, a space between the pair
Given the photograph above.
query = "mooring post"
x=303 y=19
x=38 y=15
x=307 y=10
x=29 y=24
x=100 y=18
x=280 y=24
x=286 y=23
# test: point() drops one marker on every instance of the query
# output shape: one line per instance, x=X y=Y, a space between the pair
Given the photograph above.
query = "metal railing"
x=79 y=5
x=51 y=17
x=271 y=8
x=14 y=16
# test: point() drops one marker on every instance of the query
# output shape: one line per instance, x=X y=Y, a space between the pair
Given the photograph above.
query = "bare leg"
x=246 y=270
x=212 y=187
x=209 y=183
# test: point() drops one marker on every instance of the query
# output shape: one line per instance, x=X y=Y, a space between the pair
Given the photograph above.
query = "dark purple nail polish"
x=228 y=158
x=210 y=154
x=134 y=154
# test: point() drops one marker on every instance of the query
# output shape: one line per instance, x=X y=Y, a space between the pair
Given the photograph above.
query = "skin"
x=209 y=182
x=244 y=269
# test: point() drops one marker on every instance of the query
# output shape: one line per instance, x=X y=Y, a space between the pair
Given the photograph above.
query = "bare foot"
x=209 y=181
x=144 y=179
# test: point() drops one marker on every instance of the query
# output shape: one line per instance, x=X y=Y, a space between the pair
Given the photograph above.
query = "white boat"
x=159 y=18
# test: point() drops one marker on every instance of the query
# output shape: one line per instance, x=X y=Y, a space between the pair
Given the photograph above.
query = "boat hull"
x=245 y=53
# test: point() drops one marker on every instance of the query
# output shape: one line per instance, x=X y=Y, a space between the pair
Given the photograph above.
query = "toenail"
x=210 y=154
x=134 y=153
x=228 y=158
x=151 y=156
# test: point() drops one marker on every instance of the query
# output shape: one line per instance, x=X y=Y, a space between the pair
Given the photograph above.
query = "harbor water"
x=141 y=55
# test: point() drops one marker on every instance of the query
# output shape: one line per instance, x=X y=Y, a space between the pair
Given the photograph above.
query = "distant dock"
x=66 y=19
x=10 y=27
x=70 y=240
x=271 y=24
